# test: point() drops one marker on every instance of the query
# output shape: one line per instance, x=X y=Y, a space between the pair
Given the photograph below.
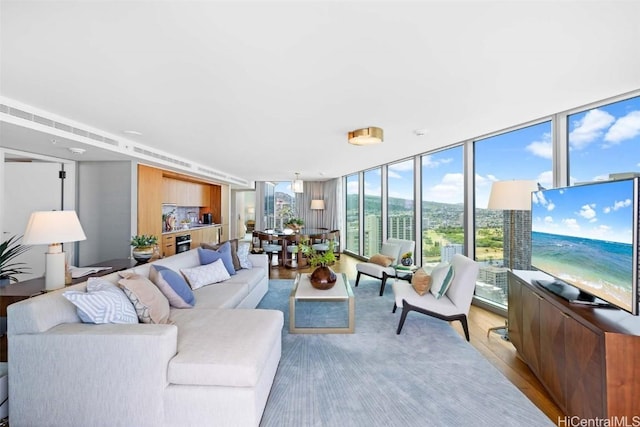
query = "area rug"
x=428 y=375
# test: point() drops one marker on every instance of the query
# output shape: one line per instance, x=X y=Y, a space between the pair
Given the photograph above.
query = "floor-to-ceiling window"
x=442 y=216
x=372 y=211
x=269 y=206
x=400 y=201
x=352 y=224
x=604 y=140
x=521 y=154
x=284 y=200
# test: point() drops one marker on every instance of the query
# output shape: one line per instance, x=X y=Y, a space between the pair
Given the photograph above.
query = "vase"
x=406 y=261
x=323 y=278
x=142 y=254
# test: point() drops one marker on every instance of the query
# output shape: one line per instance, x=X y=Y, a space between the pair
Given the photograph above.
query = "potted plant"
x=143 y=247
x=406 y=259
x=295 y=224
x=322 y=277
x=9 y=250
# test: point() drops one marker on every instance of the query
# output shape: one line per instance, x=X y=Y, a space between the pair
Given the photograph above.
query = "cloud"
x=393 y=174
x=548 y=220
x=624 y=128
x=617 y=205
x=589 y=128
x=402 y=166
x=546 y=179
x=571 y=223
x=449 y=190
x=542 y=148
x=587 y=211
x=429 y=162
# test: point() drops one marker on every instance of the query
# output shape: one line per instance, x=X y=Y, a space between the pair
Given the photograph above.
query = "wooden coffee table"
x=303 y=291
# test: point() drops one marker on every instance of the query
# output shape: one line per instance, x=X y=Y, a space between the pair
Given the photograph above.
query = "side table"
x=405 y=272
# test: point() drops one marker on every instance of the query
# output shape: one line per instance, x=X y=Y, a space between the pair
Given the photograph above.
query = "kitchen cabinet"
x=169 y=190
x=168 y=245
x=149 y=200
x=585 y=357
x=211 y=235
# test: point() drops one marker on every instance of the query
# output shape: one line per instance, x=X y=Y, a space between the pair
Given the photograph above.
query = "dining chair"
x=271 y=244
x=292 y=249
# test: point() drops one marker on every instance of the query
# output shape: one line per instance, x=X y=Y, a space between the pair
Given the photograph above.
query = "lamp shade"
x=47 y=227
x=297 y=185
x=317 y=204
x=512 y=195
x=366 y=136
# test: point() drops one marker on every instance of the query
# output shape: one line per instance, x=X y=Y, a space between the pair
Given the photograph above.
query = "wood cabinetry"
x=185 y=193
x=168 y=245
x=585 y=357
x=149 y=200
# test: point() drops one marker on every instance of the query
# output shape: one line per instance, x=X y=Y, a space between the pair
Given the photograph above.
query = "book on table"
x=77 y=272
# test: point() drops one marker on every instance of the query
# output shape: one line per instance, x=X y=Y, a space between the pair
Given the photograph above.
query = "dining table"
x=288 y=238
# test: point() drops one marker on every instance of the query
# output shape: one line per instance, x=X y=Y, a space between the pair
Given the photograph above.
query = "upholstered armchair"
x=449 y=297
x=392 y=250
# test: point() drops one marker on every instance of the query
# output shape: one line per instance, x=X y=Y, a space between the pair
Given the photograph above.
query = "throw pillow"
x=206 y=274
x=234 y=251
x=207 y=256
x=149 y=302
x=243 y=255
x=173 y=286
x=441 y=278
x=382 y=260
x=421 y=281
x=390 y=249
x=103 y=302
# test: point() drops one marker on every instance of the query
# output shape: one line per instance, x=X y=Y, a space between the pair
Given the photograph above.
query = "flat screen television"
x=586 y=238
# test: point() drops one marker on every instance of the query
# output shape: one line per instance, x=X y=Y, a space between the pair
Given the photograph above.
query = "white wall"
x=105 y=210
x=29 y=187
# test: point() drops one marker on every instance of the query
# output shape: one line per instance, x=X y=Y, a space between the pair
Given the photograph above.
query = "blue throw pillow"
x=173 y=286
x=207 y=256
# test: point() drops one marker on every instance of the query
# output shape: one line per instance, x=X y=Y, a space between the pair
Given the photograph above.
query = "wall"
x=105 y=209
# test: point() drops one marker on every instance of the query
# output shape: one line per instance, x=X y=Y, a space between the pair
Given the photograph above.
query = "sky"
x=602 y=140
x=602 y=211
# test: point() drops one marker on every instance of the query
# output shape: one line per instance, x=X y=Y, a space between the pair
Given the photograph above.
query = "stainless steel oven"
x=183 y=243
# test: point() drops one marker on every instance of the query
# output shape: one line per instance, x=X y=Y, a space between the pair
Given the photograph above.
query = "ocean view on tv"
x=602 y=268
x=583 y=235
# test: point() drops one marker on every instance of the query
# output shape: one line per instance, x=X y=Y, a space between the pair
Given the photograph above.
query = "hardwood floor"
x=498 y=352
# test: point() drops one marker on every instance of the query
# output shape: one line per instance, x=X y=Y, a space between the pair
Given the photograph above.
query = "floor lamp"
x=318 y=205
x=510 y=196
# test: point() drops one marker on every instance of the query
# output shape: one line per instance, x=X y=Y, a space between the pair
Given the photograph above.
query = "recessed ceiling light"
x=420 y=132
x=76 y=150
x=132 y=132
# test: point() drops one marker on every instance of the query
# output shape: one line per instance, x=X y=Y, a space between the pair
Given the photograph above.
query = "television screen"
x=585 y=236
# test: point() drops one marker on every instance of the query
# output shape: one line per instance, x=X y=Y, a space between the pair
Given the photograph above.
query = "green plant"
x=294 y=221
x=407 y=255
x=9 y=250
x=138 y=241
x=317 y=259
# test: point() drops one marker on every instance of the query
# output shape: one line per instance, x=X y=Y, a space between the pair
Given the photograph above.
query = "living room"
x=465 y=92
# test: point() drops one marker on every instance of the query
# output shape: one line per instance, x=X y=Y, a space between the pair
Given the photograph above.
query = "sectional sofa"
x=213 y=364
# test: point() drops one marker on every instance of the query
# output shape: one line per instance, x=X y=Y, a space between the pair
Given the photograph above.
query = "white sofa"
x=213 y=366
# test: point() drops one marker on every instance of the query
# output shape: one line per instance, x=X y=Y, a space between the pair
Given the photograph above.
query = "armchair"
x=394 y=248
x=453 y=305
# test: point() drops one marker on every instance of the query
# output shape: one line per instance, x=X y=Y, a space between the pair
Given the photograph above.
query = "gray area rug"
x=427 y=376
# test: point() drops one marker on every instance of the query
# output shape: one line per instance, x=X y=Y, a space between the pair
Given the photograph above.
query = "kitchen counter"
x=191 y=228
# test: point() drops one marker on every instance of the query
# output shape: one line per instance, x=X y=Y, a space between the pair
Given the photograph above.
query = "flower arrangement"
x=140 y=241
x=406 y=259
x=294 y=223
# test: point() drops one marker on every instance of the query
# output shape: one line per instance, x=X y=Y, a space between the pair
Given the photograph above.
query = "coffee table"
x=303 y=291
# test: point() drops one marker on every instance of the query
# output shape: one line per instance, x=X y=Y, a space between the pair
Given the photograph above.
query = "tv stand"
x=584 y=355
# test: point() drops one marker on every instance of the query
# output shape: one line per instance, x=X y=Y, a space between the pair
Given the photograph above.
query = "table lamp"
x=53 y=228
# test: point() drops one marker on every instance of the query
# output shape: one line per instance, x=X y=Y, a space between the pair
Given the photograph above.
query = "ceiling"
x=261 y=90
